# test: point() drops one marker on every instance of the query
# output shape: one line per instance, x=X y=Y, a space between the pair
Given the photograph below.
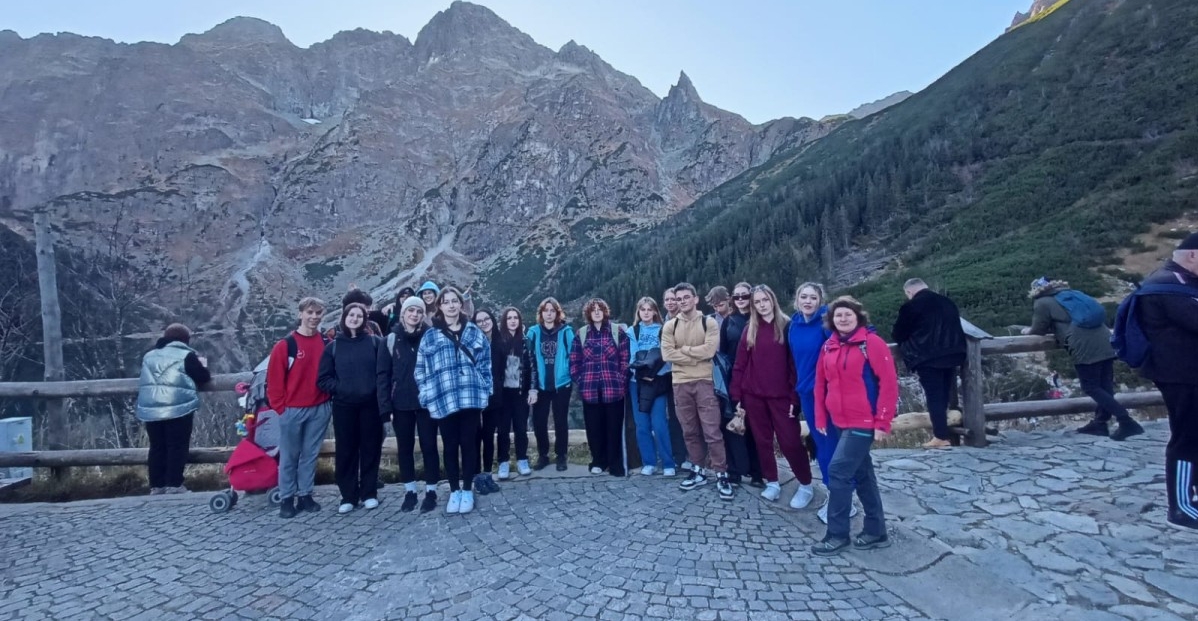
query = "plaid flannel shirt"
x=599 y=368
x=448 y=382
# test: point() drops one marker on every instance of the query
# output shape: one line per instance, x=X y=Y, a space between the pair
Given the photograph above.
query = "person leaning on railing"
x=167 y=399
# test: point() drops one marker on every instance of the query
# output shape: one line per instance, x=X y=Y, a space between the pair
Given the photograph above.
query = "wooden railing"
x=975 y=412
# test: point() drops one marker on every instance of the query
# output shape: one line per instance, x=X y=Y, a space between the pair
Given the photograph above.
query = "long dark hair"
x=345 y=314
x=511 y=343
x=494 y=325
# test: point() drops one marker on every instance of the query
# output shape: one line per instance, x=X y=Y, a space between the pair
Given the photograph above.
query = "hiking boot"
x=723 y=486
x=802 y=497
x=287 y=508
x=522 y=467
x=693 y=480
x=542 y=462
x=561 y=463
x=429 y=503
x=772 y=491
x=481 y=485
x=467 y=504
x=307 y=504
x=830 y=546
x=865 y=541
x=505 y=470
x=1094 y=428
x=1126 y=430
x=1182 y=522
x=409 y=502
x=455 y=502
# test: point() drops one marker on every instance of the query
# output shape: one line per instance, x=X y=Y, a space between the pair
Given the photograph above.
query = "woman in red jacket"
x=763 y=381
x=857 y=386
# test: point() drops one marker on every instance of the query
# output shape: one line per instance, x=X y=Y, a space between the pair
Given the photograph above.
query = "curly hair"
x=851 y=303
x=595 y=303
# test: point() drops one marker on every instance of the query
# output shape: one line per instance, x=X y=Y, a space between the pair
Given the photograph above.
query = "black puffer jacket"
x=348 y=368
x=1171 y=324
x=395 y=387
x=928 y=331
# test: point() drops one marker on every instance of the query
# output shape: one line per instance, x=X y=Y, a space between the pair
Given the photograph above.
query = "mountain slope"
x=1044 y=153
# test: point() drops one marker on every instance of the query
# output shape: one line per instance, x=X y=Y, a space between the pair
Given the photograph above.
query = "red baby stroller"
x=253 y=467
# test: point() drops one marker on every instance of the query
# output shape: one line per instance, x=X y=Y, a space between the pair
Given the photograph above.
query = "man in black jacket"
x=929 y=333
x=1170 y=322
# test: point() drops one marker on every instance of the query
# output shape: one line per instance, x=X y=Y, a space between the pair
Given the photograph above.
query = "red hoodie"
x=295 y=387
x=767 y=370
x=845 y=390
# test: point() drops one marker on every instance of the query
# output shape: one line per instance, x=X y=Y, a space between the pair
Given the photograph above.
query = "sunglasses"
x=741 y=298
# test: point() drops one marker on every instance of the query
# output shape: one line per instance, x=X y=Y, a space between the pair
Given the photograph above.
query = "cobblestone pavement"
x=1038 y=526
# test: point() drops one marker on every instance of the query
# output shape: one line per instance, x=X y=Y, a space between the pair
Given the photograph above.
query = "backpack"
x=1127 y=336
x=1084 y=311
x=616 y=329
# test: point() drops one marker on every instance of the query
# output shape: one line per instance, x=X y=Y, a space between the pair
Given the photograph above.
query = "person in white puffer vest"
x=167 y=399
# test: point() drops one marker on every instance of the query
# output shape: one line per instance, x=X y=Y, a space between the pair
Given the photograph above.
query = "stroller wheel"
x=274 y=497
x=220 y=503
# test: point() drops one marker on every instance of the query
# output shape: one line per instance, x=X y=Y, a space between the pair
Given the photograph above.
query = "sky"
x=762 y=59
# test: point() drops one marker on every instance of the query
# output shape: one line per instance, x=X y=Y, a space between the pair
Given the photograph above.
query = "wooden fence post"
x=56 y=427
x=973 y=390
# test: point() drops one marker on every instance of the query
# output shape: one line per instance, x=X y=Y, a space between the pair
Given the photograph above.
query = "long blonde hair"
x=781 y=321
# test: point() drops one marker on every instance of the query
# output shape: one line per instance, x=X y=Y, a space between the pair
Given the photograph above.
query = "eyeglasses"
x=741 y=298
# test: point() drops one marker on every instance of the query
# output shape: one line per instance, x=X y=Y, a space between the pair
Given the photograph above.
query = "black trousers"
x=512 y=419
x=937 y=386
x=486 y=433
x=407 y=423
x=604 y=424
x=1098 y=382
x=357 y=428
x=1181 y=453
x=169 y=442
x=459 y=435
x=742 y=452
x=559 y=402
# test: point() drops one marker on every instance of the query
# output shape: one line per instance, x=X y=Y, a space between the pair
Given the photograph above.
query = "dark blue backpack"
x=1127 y=337
x=1084 y=311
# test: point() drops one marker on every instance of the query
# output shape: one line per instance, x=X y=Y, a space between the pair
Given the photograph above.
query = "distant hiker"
x=648 y=385
x=550 y=342
x=856 y=389
x=483 y=483
x=291 y=389
x=349 y=375
x=741 y=449
x=1088 y=341
x=167 y=399
x=513 y=364
x=763 y=380
x=392 y=310
x=720 y=302
x=1170 y=323
x=689 y=342
x=429 y=292
x=929 y=334
x=453 y=371
x=599 y=368
x=399 y=402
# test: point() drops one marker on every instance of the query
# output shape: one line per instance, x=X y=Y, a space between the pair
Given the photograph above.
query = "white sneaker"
x=803 y=497
x=687 y=465
x=505 y=470
x=371 y=503
x=772 y=491
x=345 y=508
x=596 y=470
x=523 y=468
x=648 y=471
x=467 y=502
x=455 y=502
x=669 y=472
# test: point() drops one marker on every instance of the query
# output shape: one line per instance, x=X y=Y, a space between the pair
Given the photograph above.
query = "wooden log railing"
x=974 y=415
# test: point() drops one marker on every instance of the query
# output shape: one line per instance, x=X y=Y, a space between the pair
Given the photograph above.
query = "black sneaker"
x=307 y=504
x=287 y=508
x=692 y=480
x=542 y=462
x=723 y=487
x=1126 y=430
x=429 y=503
x=409 y=502
x=1094 y=428
x=758 y=483
x=830 y=546
x=561 y=463
x=480 y=486
x=870 y=542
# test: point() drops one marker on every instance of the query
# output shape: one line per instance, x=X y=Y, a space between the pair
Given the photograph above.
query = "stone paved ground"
x=1039 y=526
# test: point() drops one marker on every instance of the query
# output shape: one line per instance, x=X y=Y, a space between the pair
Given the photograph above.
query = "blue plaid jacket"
x=448 y=381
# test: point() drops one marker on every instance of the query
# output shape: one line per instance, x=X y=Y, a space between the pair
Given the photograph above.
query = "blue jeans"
x=825 y=444
x=652 y=431
x=301 y=432
x=851 y=464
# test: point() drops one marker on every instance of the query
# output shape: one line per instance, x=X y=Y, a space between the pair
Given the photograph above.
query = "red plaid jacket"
x=599 y=368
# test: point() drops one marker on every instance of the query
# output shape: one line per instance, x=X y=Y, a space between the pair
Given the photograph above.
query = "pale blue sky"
x=763 y=59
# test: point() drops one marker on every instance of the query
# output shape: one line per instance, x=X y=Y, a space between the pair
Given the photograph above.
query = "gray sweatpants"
x=301 y=431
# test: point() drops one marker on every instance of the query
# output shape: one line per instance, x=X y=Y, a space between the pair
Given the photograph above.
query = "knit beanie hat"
x=410 y=302
x=1189 y=243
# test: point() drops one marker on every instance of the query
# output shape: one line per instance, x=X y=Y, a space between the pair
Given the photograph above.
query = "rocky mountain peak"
x=239 y=31
x=9 y=36
x=465 y=26
x=683 y=90
x=1038 y=7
